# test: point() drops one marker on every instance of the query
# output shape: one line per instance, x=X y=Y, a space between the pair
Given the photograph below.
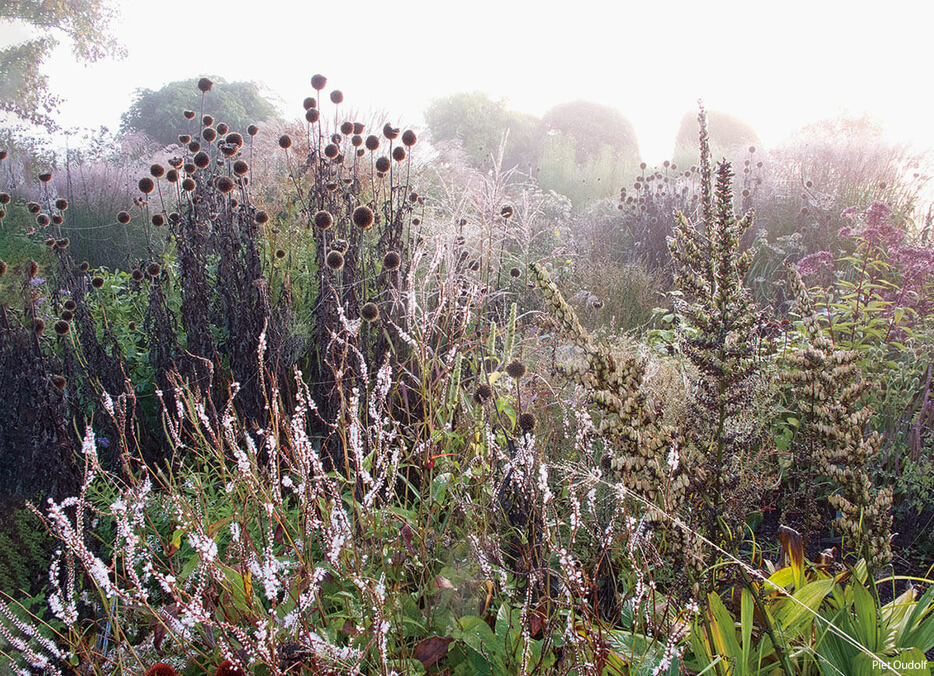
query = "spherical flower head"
x=369 y=312
x=207 y=120
x=331 y=151
x=309 y=103
x=157 y=170
x=234 y=139
x=202 y=160
x=146 y=185
x=137 y=275
x=340 y=245
x=363 y=217
x=224 y=184
x=382 y=164
x=815 y=263
x=204 y=84
x=390 y=132
x=158 y=220
x=312 y=115
x=337 y=96
x=261 y=217
x=285 y=142
x=391 y=261
x=171 y=176
x=153 y=269
x=482 y=393
x=527 y=423
x=347 y=128
x=372 y=142
x=409 y=138
x=222 y=128
x=515 y=273
x=506 y=211
x=189 y=115
x=188 y=184
x=85 y=266
x=209 y=134
x=398 y=153
x=5 y=198
x=161 y=669
x=323 y=220
x=318 y=82
x=335 y=260
x=252 y=130
x=280 y=253
x=61 y=204
x=45 y=176
x=33 y=207
x=61 y=327
x=515 y=369
x=59 y=382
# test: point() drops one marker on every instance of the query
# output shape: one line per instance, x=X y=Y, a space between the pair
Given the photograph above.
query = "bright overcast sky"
x=777 y=65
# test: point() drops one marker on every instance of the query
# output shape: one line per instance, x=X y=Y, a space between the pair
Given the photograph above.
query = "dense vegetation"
x=325 y=408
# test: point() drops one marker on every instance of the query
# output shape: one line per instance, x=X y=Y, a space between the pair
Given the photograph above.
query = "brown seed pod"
x=61 y=204
x=57 y=219
x=240 y=167
x=392 y=261
x=515 y=273
x=309 y=103
x=158 y=220
x=382 y=164
x=515 y=369
x=390 y=132
x=234 y=139
x=31 y=269
x=506 y=211
x=482 y=393
x=67 y=315
x=189 y=114
x=2 y=268
x=50 y=242
x=372 y=142
x=5 y=198
x=261 y=217
x=71 y=305
x=188 y=184
x=202 y=160
x=171 y=176
x=97 y=282
x=205 y=85
x=340 y=245
x=252 y=130
x=285 y=142
x=209 y=134
x=363 y=217
x=280 y=253
x=62 y=243
x=61 y=327
x=153 y=269
x=59 y=382
x=224 y=184
x=207 y=120
x=222 y=128
x=184 y=139
x=398 y=153
x=123 y=217
x=346 y=128
x=337 y=96
x=358 y=128
x=356 y=140
x=146 y=185
x=527 y=422
x=42 y=220
x=318 y=82
x=312 y=115
x=331 y=151
x=194 y=147
x=33 y=207
x=409 y=138
x=335 y=260
x=45 y=176
x=369 y=312
x=85 y=266
x=323 y=220
x=137 y=275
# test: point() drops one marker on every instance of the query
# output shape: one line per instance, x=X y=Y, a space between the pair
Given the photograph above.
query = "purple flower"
x=814 y=263
x=845 y=231
x=877 y=214
x=36 y=281
x=103 y=442
x=849 y=212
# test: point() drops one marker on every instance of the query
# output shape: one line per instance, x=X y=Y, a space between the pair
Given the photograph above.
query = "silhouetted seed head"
x=409 y=138
x=462 y=222
x=2 y=268
x=596 y=304
x=312 y=115
x=808 y=184
x=224 y=184
x=515 y=273
x=391 y=261
x=318 y=82
x=222 y=128
x=61 y=327
x=360 y=152
x=416 y=221
x=527 y=422
x=189 y=115
x=413 y=197
x=356 y=140
x=67 y=315
x=137 y=275
x=280 y=253
x=240 y=167
x=50 y=242
x=227 y=149
x=131 y=326
x=331 y=186
x=85 y=266
x=261 y=217
x=146 y=185
x=157 y=170
x=207 y=120
x=335 y=260
x=252 y=130
x=369 y=312
x=752 y=149
x=337 y=96
x=174 y=218
x=188 y=184
x=340 y=245
x=62 y=243
x=234 y=139
x=382 y=164
x=31 y=269
x=745 y=193
x=45 y=176
x=363 y=217
x=506 y=211
x=158 y=220
x=123 y=217
x=482 y=393
x=4 y=198
x=474 y=266
x=42 y=220
x=323 y=220
x=309 y=103
x=171 y=176
x=59 y=382
x=331 y=150
x=161 y=669
x=346 y=128
x=804 y=211
x=97 y=282
x=209 y=134
x=153 y=269
x=57 y=219
x=372 y=142
x=61 y=204
x=515 y=369
x=194 y=147
x=285 y=142
x=228 y=668
x=205 y=85
x=398 y=153
x=2 y=155
x=184 y=139
x=202 y=160
x=390 y=132
x=33 y=207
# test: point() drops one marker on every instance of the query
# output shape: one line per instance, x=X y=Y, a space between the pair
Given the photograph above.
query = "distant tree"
x=729 y=135
x=593 y=127
x=479 y=123
x=86 y=24
x=158 y=113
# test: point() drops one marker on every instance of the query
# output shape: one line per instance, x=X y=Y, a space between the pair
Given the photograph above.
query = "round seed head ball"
x=337 y=96
x=318 y=82
x=42 y=220
x=515 y=369
x=85 y=266
x=356 y=140
x=372 y=142
x=205 y=85
x=61 y=327
x=474 y=266
x=5 y=198
x=31 y=269
x=209 y=134
x=202 y=160
x=527 y=422
x=234 y=139
x=515 y=273
x=207 y=120
x=171 y=176
x=309 y=103
x=33 y=207
x=312 y=115
x=341 y=245
x=382 y=164
x=482 y=393
x=252 y=130
x=240 y=167
x=323 y=220
x=280 y=253
x=189 y=115
x=390 y=132
x=392 y=261
x=131 y=326
x=285 y=142
x=137 y=275
x=59 y=382
x=262 y=217
x=97 y=282
x=331 y=151
x=222 y=128
x=158 y=220
x=194 y=147
x=335 y=260
x=398 y=153
x=224 y=184
x=161 y=669
x=409 y=138
x=45 y=176
x=188 y=184
x=363 y=217
x=346 y=128
x=2 y=268
x=369 y=312
x=153 y=269
x=50 y=242
x=67 y=315
x=123 y=217
x=157 y=170
x=506 y=211
x=61 y=204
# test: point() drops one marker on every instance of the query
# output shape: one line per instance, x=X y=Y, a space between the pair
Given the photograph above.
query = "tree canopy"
x=158 y=113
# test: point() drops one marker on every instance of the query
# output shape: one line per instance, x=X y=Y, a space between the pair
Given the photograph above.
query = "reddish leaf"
x=407 y=536
x=430 y=650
